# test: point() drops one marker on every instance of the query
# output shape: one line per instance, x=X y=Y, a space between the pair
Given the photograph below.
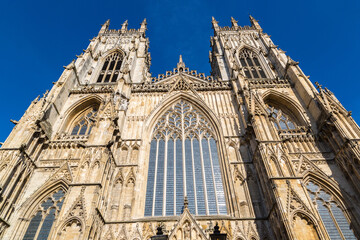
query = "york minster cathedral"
x=252 y=151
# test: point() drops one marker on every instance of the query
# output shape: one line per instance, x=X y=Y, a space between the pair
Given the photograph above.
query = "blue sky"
x=39 y=37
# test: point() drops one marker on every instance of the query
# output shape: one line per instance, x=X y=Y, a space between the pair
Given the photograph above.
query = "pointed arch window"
x=84 y=124
x=184 y=161
x=280 y=119
x=111 y=68
x=46 y=213
x=331 y=214
x=251 y=64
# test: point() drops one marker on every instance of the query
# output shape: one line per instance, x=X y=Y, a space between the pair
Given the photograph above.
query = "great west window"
x=183 y=162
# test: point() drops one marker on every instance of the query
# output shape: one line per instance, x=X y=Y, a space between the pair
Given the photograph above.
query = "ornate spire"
x=254 y=22
x=104 y=27
x=234 y=22
x=143 y=25
x=180 y=64
x=215 y=24
x=124 y=26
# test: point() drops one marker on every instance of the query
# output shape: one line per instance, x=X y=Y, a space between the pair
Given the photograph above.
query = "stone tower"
x=111 y=152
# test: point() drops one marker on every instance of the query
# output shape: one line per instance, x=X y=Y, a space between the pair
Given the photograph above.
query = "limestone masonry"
x=111 y=152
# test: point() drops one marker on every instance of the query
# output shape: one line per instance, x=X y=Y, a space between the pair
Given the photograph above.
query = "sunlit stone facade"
x=111 y=152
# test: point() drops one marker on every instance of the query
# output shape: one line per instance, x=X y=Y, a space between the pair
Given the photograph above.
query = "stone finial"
x=70 y=66
x=216 y=229
x=124 y=26
x=104 y=27
x=143 y=25
x=234 y=22
x=215 y=24
x=254 y=23
x=186 y=202
x=180 y=64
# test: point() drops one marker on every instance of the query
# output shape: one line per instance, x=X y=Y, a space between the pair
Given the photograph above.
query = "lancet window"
x=45 y=215
x=331 y=214
x=251 y=65
x=280 y=119
x=184 y=161
x=84 y=124
x=111 y=68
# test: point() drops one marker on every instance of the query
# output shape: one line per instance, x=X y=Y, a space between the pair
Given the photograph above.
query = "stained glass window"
x=111 y=68
x=41 y=223
x=281 y=120
x=251 y=65
x=85 y=123
x=330 y=212
x=183 y=162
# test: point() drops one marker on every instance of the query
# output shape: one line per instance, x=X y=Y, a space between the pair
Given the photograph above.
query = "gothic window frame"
x=220 y=148
x=33 y=206
x=106 y=69
x=281 y=118
x=252 y=69
x=87 y=117
x=334 y=201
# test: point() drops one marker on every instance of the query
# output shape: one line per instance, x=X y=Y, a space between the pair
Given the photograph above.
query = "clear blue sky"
x=39 y=37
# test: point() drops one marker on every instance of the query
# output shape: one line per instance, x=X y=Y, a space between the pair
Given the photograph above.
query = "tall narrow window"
x=41 y=223
x=85 y=123
x=330 y=212
x=251 y=65
x=281 y=120
x=183 y=162
x=111 y=68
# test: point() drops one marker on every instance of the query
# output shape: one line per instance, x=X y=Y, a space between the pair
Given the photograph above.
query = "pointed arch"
x=329 y=204
x=252 y=62
x=78 y=109
x=287 y=104
x=109 y=66
x=202 y=155
x=37 y=208
x=72 y=228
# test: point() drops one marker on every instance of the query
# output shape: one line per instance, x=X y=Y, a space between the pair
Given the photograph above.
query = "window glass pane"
x=291 y=125
x=282 y=125
x=118 y=65
x=255 y=73
x=83 y=130
x=256 y=61
x=160 y=179
x=189 y=176
x=114 y=77
x=100 y=77
x=342 y=222
x=199 y=179
x=75 y=130
x=262 y=74
x=112 y=65
x=248 y=60
x=47 y=224
x=33 y=227
x=150 y=179
x=210 y=188
x=106 y=63
x=247 y=73
x=218 y=181
x=243 y=63
x=48 y=203
x=170 y=179
x=179 y=178
x=327 y=220
x=107 y=77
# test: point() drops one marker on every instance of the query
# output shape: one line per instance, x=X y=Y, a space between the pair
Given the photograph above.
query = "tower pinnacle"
x=180 y=64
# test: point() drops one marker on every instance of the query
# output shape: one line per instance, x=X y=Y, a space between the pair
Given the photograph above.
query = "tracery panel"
x=41 y=223
x=184 y=162
x=251 y=65
x=111 y=68
x=330 y=212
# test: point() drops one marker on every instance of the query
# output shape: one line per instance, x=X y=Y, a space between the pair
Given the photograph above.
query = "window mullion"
x=155 y=177
x=193 y=170
x=328 y=206
x=213 y=177
x=183 y=150
x=203 y=176
x=174 y=176
x=165 y=175
x=41 y=223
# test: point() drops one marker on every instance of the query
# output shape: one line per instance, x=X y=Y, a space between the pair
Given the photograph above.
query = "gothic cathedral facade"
x=111 y=152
